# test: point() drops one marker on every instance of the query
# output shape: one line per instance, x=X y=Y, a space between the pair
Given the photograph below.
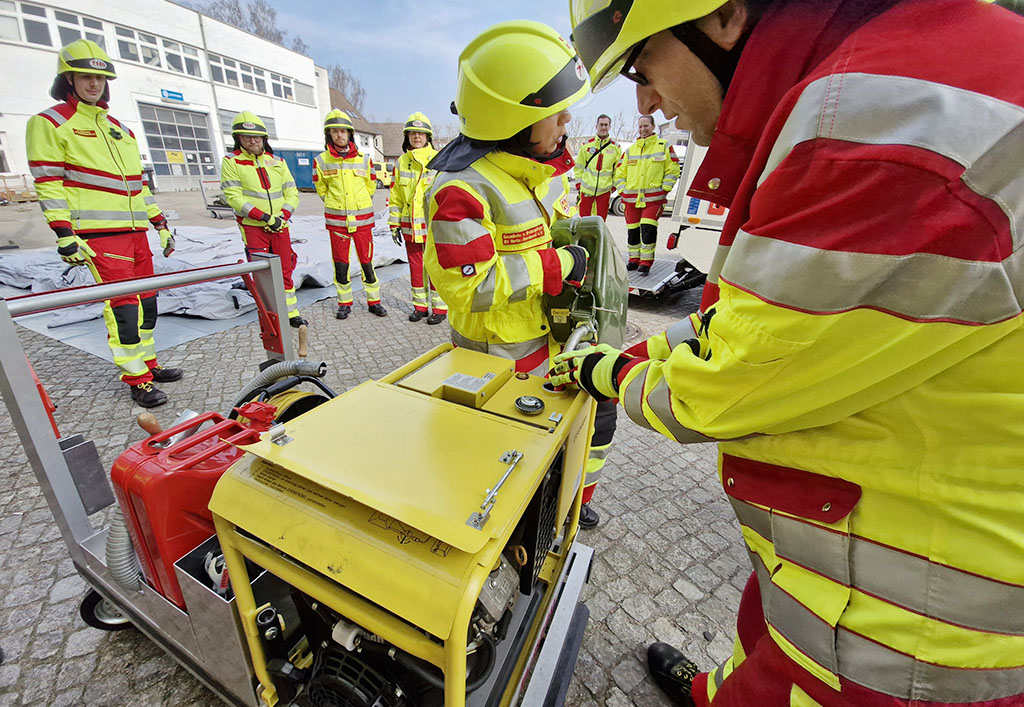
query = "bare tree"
x=256 y=16
x=445 y=132
x=340 y=79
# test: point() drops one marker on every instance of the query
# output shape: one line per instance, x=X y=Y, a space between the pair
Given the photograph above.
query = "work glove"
x=595 y=369
x=574 y=264
x=396 y=236
x=166 y=241
x=74 y=251
x=276 y=224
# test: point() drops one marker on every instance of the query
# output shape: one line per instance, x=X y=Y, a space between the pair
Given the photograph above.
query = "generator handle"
x=246 y=435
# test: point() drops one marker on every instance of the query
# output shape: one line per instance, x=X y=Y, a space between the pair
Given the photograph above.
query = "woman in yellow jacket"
x=344 y=179
x=500 y=186
x=407 y=219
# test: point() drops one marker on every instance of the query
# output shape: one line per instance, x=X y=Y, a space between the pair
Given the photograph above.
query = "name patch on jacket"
x=520 y=237
x=84 y=133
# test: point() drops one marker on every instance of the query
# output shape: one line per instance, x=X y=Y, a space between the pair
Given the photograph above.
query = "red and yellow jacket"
x=87 y=171
x=858 y=356
x=258 y=188
x=346 y=183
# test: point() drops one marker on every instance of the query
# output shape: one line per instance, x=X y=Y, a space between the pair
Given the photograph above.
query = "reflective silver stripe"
x=660 y=402
x=46 y=170
x=94 y=180
x=347 y=212
x=502 y=212
x=719 y=674
x=320 y=162
x=149 y=200
x=680 y=332
x=896 y=110
x=632 y=401
x=994 y=176
x=54 y=116
x=51 y=204
x=483 y=297
x=717 y=261
x=407 y=175
x=552 y=196
x=814 y=636
x=88 y=215
x=637 y=156
x=288 y=185
x=518 y=276
x=262 y=194
x=919 y=285
x=227 y=183
x=906 y=580
x=457 y=232
x=247 y=208
x=514 y=352
x=465 y=342
x=893 y=673
x=599 y=452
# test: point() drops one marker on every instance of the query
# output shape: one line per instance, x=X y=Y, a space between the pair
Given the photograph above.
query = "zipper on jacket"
x=120 y=167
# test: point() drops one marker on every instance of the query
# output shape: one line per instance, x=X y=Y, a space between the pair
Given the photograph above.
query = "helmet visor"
x=596 y=33
x=569 y=80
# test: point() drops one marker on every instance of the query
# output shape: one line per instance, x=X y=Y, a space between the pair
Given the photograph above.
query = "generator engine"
x=422 y=528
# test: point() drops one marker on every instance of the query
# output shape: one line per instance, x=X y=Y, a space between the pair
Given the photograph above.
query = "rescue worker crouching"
x=500 y=185
x=406 y=218
x=260 y=189
x=645 y=175
x=595 y=170
x=344 y=179
x=863 y=383
x=88 y=176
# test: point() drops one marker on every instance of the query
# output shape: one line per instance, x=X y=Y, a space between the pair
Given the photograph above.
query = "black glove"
x=578 y=273
x=276 y=224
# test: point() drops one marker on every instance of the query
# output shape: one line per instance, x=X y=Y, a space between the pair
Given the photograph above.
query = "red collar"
x=352 y=150
x=793 y=39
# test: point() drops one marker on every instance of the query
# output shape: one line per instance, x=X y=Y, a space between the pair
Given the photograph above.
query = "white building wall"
x=297 y=124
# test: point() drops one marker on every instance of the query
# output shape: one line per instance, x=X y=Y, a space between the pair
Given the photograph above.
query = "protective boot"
x=145 y=395
x=297 y=321
x=417 y=315
x=343 y=311
x=643 y=269
x=589 y=518
x=673 y=672
x=436 y=318
x=377 y=309
x=632 y=265
x=166 y=375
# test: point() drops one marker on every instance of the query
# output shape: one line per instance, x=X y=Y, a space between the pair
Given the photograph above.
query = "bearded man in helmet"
x=260 y=189
x=406 y=218
x=857 y=352
x=344 y=179
x=89 y=180
x=500 y=185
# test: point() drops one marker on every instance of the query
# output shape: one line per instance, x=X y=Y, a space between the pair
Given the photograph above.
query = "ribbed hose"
x=121 y=559
x=273 y=373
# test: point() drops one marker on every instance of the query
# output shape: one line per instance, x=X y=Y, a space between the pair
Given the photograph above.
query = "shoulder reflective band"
x=594 y=35
x=562 y=85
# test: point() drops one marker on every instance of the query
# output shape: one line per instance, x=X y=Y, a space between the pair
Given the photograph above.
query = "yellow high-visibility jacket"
x=87 y=171
x=489 y=250
x=595 y=166
x=346 y=183
x=647 y=171
x=257 y=186
x=413 y=180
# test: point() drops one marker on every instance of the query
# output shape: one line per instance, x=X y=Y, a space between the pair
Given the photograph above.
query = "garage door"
x=180 y=146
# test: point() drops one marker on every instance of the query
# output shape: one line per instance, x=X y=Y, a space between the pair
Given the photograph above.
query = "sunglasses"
x=627 y=69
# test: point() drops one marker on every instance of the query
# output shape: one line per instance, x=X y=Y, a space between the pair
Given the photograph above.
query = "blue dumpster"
x=300 y=164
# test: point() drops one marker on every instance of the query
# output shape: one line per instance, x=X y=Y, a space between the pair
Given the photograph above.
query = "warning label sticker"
x=468 y=383
x=284 y=482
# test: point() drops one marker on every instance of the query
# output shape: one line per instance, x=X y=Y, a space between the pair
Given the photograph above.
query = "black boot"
x=343 y=311
x=416 y=315
x=297 y=321
x=644 y=269
x=377 y=309
x=673 y=672
x=166 y=375
x=632 y=265
x=145 y=395
x=436 y=318
x=588 y=517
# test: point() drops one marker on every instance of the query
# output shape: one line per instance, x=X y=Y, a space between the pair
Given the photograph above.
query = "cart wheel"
x=100 y=613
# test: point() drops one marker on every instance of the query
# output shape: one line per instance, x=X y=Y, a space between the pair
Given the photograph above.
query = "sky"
x=405 y=52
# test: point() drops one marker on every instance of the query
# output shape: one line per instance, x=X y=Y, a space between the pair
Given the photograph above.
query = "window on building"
x=304 y=93
x=37 y=30
x=281 y=86
x=181 y=58
x=9 y=27
x=138 y=46
x=5 y=164
x=216 y=70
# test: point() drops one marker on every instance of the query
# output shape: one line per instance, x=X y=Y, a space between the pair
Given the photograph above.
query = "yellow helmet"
x=606 y=31
x=418 y=122
x=84 y=56
x=246 y=123
x=513 y=75
x=337 y=119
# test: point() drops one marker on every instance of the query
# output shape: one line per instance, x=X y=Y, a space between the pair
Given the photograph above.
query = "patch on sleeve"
x=468 y=270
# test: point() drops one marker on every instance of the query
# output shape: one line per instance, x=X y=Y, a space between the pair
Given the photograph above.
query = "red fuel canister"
x=164 y=491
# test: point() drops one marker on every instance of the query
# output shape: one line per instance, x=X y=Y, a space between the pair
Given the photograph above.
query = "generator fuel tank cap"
x=529 y=404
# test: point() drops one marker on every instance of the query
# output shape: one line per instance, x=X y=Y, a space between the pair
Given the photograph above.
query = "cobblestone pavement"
x=669 y=563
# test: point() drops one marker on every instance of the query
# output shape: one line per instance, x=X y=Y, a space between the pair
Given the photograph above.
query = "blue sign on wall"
x=694 y=206
x=172 y=95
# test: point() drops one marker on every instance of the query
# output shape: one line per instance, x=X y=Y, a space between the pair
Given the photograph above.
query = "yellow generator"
x=413 y=541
